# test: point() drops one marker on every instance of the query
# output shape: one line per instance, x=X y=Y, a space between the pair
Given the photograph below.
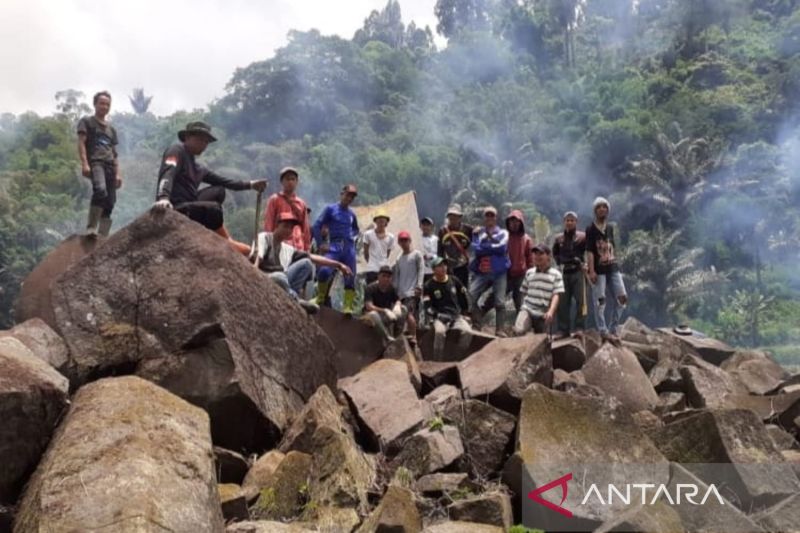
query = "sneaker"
x=309 y=306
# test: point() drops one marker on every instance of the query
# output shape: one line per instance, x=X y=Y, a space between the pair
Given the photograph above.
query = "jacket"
x=569 y=249
x=492 y=247
x=520 y=247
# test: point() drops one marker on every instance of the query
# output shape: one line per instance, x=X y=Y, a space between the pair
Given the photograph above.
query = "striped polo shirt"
x=538 y=289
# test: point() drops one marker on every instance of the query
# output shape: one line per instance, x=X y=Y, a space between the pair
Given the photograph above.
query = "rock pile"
x=190 y=394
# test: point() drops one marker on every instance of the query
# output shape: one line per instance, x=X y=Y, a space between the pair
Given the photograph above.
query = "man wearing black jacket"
x=180 y=176
x=569 y=249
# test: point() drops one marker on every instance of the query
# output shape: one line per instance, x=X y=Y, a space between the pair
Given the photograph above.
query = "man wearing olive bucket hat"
x=179 y=180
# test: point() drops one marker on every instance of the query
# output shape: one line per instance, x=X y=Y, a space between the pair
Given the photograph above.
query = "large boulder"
x=261 y=473
x=493 y=508
x=563 y=433
x=385 y=402
x=431 y=450
x=41 y=340
x=397 y=513
x=231 y=467
x=708 y=386
x=783 y=516
x=708 y=349
x=569 y=354
x=658 y=518
x=435 y=374
x=129 y=456
x=34 y=300
x=617 y=372
x=732 y=449
x=486 y=433
x=284 y=495
x=503 y=369
x=457 y=526
x=357 y=343
x=322 y=410
x=32 y=398
x=758 y=371
x=187 y=312
x=451 y=351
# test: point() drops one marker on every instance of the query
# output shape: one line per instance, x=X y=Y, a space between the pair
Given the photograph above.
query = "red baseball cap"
x=403 y=235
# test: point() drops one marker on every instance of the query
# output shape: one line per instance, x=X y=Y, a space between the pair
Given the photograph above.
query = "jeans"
x=440 y=335
x=514 y=288
x=295 y=277
x=617 y=286
x=483 y=282
x=104 y=186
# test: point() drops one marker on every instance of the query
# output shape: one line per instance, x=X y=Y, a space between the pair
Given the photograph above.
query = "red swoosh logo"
x=536 y=495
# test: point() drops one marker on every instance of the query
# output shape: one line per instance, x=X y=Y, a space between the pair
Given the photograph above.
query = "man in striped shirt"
x=540 y=289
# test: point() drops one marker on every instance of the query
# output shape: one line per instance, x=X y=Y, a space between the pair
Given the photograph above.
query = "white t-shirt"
x=430 y=247
x=379 y=249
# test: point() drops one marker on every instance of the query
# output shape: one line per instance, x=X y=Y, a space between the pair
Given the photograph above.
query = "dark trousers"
x=574 y=290
x=207 y=210
x=462 y=273
x=514 y=287
x=104 y=186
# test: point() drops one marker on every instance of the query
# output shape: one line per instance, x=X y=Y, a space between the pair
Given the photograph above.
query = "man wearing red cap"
x=409 y=272
x=287 y=266
x=287 y=201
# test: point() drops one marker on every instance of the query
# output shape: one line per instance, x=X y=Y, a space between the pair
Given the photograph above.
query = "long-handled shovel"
x=254 y=243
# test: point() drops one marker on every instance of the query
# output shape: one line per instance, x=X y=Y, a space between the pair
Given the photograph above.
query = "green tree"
x=139 y=102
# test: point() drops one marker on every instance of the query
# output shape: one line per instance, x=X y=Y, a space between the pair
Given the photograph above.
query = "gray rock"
x=261 y=473
x=442 y=396
x=782 y=439
x=397 y=513
x=358 y=345
x=437 y=373
x=708 y=386
x=708 y=349
x=738 y=451
x=230 y=466
x=670 y=401
x=125 y=432
x=451 y=350
x=321 y=410
x=569 y=354
x=241 y=348
x=666 y=376
x=40 y=339
x=462 y=527
x=430 y=450
x=659 y=518
x=492 y=508
x=503 y=369
x=618 y=374
x=783 y=516
x=386 y=423
x=269 y=526
x=233 y=502
x=486 y=433
x=285 y=493
x=438 y=484
x=401 y=350
x=758 y=371
x=32 y=397
x=567 y=382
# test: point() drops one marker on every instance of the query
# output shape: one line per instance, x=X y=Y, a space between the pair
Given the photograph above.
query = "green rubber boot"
x=322 y=291
x=349 y=300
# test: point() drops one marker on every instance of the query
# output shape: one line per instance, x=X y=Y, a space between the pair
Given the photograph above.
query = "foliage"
x=139 y=101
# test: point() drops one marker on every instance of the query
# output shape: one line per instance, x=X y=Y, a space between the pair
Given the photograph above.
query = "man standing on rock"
x=569 y=249
x=430 y=245
x=287 y=201
x=342 y=228
x=180 y=176
x=455 y=238
x=541 y=289
x=378 y=246
x=445 y=301
x=383 y=307
x=489 y=268
x=409 y=271
x=604 y=272
x=289 y=267
x=97 y=142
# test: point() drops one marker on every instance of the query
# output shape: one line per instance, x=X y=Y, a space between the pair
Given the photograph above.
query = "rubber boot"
x=349 y=300
x=322 y=292
x=94 y=220
x=105 y=226
x=240 y=247
x=499 y=322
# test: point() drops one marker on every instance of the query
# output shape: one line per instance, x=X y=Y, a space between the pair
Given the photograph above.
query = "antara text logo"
x=627 y=494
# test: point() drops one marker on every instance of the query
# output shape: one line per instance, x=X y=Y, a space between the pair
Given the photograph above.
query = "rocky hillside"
x=157 y=382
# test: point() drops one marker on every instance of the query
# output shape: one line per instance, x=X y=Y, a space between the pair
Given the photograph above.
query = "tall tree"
x=72 y=104
x=139 y=101
x=458 y=16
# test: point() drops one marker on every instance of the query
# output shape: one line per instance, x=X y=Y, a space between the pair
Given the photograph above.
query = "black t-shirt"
x=383 y=299
x=101 y=140
x=448 y=297
x=603 y=247
x=454 y=245
x=180 y=176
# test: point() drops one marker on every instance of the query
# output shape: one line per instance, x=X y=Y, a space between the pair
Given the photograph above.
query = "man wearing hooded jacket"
x=520 y=254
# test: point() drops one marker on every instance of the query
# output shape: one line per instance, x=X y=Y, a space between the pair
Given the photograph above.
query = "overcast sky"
x=181 y=51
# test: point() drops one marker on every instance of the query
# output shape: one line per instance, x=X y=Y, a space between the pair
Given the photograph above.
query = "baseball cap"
x=403 y=235
x=541 y=247
x=385 y=269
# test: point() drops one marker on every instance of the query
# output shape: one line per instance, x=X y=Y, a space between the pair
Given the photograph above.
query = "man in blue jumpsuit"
x=342 y=226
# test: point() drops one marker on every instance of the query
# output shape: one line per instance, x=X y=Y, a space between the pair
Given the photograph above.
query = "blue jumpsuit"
x=342 y=230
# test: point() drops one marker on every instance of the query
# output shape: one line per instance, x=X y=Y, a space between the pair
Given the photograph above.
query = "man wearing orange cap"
x=287 y=201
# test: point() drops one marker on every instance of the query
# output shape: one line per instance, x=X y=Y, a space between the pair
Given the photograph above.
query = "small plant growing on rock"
x=436 y=423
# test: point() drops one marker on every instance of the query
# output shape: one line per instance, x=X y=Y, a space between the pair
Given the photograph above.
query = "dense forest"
x=684 y=114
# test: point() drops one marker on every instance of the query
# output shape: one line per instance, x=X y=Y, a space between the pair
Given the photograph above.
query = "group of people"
x=458 y=275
